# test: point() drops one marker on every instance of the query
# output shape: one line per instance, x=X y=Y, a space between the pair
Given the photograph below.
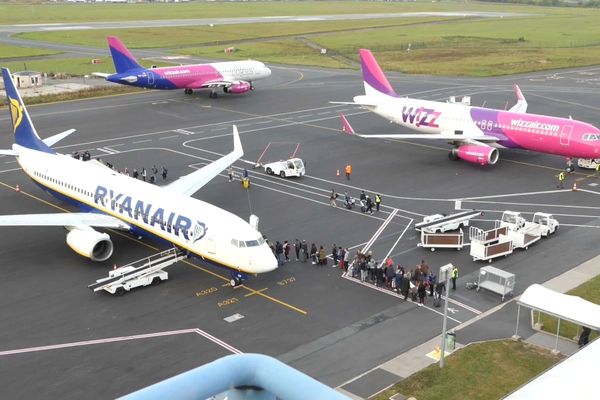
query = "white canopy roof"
x=563 y=306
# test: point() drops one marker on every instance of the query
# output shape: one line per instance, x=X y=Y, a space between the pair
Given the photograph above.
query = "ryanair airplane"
x=107 y=199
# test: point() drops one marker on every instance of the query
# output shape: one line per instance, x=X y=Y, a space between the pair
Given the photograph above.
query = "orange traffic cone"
x=574 y=186
x=337 y=173
x=17 y=188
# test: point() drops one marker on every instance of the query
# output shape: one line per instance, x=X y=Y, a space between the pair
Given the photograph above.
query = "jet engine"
x=483 y=155
x=89 y=243
x=238 y=88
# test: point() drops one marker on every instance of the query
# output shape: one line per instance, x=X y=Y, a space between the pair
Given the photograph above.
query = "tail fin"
x=374 y=79
x=346 y=127
x=122 y=58
x=521 y=105
x=25 y=134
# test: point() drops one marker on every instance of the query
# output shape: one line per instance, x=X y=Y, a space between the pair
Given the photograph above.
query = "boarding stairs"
x=140 y=268
x=457 y=219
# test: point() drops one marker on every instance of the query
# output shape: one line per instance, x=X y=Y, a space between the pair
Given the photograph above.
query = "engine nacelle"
x=483 y=155
x=92 y=244
x=238 y=88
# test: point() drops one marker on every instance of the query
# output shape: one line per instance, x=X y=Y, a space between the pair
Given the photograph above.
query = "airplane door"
x=211 y=246
x=565 y=135
x=150 y=78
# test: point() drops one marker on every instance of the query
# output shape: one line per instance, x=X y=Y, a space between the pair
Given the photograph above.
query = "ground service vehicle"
x=285 y=168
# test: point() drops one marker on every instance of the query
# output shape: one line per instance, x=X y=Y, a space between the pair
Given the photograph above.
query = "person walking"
x=421 y=291
x=322 y=256
x=561 y=180
x=348 y=171
x=597 y=168
x=454 y=277
x=144 y=174
x=369 y=205
x=286 y=250
x=313 y=253
x=334 y=255
x=432 y=282
x=297 y=249
x=279 y=253
x=377 y=201
x=164 y=173
x=230 y=173
x=332 y=198
x=135 y=173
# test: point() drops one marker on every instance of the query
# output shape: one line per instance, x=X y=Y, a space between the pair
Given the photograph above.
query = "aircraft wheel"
x=452 y=156
x=269 y=171
x=235 y=282
x=188 y=91
x=120 y=291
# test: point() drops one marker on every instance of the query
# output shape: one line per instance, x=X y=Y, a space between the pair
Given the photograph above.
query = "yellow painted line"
x=291 y=307
x=255 y=292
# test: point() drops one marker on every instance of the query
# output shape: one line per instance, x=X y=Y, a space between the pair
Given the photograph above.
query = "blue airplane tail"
x=25 y=134
x=122 y=58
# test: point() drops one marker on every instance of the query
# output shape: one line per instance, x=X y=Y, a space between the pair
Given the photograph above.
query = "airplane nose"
x=267 y=71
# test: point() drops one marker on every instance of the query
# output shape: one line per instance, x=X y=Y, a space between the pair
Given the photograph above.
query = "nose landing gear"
x=237 y=278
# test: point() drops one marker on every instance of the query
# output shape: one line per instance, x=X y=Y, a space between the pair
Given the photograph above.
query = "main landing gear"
x=213 y=94
x=452 y=155
x=570 y=167
x=188 y=91
x=237 y=278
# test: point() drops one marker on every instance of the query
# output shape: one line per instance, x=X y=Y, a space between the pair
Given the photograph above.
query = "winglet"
x=122 y=58
x=521 y=105
x=237 y=143
x=375 y=81
x=346 y=127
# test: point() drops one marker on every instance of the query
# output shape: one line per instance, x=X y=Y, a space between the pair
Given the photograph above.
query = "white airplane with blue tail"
x=107 y=199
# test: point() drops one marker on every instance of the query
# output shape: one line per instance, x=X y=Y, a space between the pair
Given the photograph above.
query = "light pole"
x=444 y=275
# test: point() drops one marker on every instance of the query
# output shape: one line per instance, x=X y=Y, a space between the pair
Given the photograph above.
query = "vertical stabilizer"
x=376 y=83
x=122 y=58
x=25 y=134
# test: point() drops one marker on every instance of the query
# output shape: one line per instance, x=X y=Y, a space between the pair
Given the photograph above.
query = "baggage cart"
x=431 y=240
x=486 y=245
x=496 y=280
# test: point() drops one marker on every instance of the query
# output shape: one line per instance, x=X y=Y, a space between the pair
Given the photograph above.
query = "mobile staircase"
x=143 y=272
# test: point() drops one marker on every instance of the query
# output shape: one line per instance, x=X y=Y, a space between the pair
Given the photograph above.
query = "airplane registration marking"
x=205 y=292
x=286 y=281
x=228 y=302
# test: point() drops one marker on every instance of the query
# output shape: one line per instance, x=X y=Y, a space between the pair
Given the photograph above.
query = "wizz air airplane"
x=107 y=199
x=233 y=77
x=475 y=132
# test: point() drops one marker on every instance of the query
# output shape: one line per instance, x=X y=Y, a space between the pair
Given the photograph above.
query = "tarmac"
x=60 y=339
x=416 y=359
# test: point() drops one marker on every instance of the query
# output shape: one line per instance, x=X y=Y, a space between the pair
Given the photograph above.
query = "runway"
x=61 y=340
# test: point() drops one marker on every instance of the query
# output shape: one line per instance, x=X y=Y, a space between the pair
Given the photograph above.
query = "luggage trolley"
x=496 y=280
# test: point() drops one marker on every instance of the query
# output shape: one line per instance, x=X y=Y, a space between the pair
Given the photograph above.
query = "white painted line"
x=105 y=150
x=168 y=137
x=142 y=141
x=121 y=339
x=183 y=131
x=396 y=243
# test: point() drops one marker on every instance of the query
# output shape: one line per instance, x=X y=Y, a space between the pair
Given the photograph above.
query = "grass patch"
x=70 y=66
x=589 y=291
x=8 y=51
x=280 y=52
x=81 y=94
x=44 y=13
x=481 y=371
x=188 y=36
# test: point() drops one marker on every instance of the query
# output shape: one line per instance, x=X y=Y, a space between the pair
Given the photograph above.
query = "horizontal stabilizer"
x=64 y=219
x=8 y=152
x=189 y=184
x=101 y=74
x=50 y=141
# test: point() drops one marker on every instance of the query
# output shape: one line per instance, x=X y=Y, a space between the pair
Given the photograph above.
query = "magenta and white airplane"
x=475 y=132
x=234 y=77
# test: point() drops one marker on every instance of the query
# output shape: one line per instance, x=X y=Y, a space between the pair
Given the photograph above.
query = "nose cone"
x=264 y=260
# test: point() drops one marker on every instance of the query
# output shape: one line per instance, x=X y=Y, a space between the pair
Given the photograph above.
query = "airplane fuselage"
x=553 y=135
x=192 y=76
x=202 y=229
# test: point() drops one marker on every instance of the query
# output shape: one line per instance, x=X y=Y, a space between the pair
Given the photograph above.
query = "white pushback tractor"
x=144 y=272
x=285 y=168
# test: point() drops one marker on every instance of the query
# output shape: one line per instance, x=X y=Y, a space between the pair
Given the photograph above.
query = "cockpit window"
x=247 y=243
x=590 y=137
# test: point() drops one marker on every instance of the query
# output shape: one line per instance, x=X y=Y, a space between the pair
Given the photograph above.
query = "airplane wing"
x=64 y=219
x=347 y=128
x=191 y=183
